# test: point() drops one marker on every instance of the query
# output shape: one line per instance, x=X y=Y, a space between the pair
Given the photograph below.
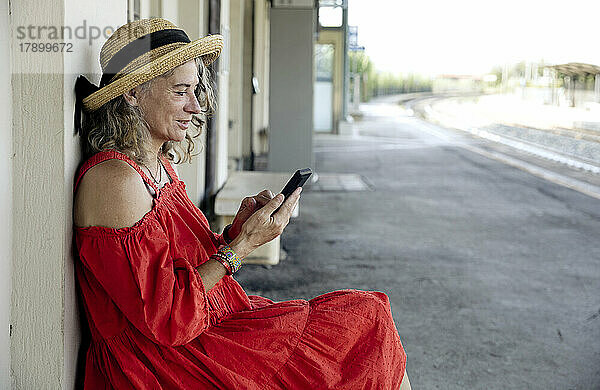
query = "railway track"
x=579 y=148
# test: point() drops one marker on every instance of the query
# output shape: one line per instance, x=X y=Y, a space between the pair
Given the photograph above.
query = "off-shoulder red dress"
x=154 y=327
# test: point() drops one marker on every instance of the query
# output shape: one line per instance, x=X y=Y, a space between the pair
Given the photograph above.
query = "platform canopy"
x=576 y=69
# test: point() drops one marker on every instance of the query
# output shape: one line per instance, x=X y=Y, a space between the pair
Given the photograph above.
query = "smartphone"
x=297 y=180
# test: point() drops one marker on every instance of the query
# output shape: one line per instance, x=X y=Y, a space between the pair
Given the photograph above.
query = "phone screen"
x=297 y=180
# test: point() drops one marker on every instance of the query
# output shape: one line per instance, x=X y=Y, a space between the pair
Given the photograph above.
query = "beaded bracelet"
x=232 y=258
x=228 y=258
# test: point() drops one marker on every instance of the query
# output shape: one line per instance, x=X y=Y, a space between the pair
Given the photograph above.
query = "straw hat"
x=138 y=52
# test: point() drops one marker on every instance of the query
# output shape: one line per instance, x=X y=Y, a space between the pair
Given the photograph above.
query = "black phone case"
x=298 y=179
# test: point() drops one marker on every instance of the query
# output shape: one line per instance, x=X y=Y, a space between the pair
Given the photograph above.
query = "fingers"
x=272 y=205
x=247 y=206
x=291 y=201
x=246 y=209
x=285 y=212
x=267 y=193
x=288 y=204
x=248 y=202
x=266 y=224
x=263 y=198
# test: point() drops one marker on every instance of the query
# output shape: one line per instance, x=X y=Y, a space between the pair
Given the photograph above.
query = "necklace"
x=158 y=169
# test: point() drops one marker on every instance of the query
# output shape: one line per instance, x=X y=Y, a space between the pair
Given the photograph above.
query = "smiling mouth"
x=183 y=123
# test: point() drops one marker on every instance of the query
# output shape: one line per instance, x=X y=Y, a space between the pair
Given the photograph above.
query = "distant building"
x=574 y=84
x=457 y=83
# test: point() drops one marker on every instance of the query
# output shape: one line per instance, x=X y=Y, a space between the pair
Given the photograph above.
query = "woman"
x=163 y=308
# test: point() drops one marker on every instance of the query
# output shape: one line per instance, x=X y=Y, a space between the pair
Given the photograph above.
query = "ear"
x=132 y=97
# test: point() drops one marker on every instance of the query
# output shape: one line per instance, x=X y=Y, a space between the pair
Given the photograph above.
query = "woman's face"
x=169 y=103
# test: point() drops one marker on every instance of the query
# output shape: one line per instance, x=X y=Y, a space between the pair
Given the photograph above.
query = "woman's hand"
x=247 y=208
x=264 y=225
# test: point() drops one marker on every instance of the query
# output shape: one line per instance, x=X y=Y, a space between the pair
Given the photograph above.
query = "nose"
x=192 y=104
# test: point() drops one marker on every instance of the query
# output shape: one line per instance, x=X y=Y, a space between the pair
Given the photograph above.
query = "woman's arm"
x=211 y=272
x=163 y=297
x=111 y=194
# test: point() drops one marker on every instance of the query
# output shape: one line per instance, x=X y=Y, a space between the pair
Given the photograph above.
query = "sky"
x=432 y=37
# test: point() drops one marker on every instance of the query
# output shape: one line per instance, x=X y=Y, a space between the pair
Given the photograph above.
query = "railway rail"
x=579 y=148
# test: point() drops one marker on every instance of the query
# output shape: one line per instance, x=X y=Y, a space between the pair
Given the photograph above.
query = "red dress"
x=154 y=327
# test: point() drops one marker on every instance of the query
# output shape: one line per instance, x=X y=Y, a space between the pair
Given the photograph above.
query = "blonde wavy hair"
x=121 y=126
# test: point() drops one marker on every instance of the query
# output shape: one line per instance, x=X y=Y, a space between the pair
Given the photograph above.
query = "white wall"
x=44 y=315
x=5 y=196
x=169 y=9
x=39 y=157
x=222 y=115
x=146 y=9
x=193 y=17
x=37 y=356
x=83 y=60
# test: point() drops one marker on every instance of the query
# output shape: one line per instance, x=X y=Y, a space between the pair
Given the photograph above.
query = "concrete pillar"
x=597 y=88
x=291 y=89
x=356 y=99
x=345 y=78
x=554 y=81
x=335 y=37
x=247 y=92
x=261 y=72
x=193 y=18
x=6 y=159
x=236 y=83
x=570 y=90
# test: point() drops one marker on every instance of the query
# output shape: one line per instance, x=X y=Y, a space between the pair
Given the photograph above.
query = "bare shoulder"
x=111 y=194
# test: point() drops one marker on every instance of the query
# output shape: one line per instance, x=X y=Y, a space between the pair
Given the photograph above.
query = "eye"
x=182 y=93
